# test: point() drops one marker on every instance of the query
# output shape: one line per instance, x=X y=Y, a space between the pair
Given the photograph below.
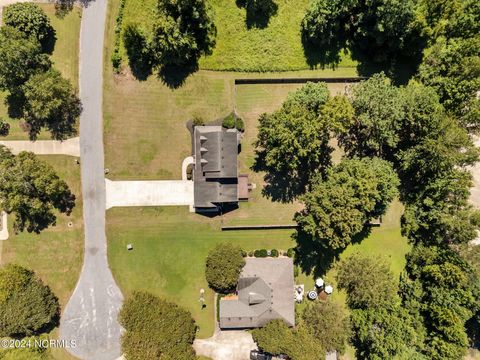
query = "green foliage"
x=378 y=116
x=339 y=208
x=198 y=121
x=260 y=253
x=232 y=121
x=441 y=289
x=32 y=191
x=277 y=338
x=156 y=329
x=382 y=32
x=291 y=252
x=20 y=58
x=452 y=68
x=339 y=113
x=116 y=57
x=223 y=267
x=30 y=19
x=27 y=306
x=385 y=333
x=274 y=253
x=138 y=50
x=292 y=147
x=4 y=128
x=368 y=282
x=312 y=96
x=51 y=102
x=183 y=31
x=329 y=324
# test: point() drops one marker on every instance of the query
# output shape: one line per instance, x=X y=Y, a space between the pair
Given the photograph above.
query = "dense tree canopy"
x=32 y=191
x=27 y=306
x=223 y=266
x=354 y=192
x=378 y=33
x=31 y=20
x=367 y=281
x=298 y=344
x=329 y=324
x=156 y=329
x=20 y=58
x=442 y=290
x=51 y=102
x=183 y=31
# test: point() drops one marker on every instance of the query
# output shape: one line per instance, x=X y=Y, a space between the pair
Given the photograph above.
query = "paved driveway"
x=45 y=147
x=226 y=345
x=149 y=193
x=90 y=317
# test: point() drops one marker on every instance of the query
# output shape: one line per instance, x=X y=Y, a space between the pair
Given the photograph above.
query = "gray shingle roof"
x=216 y=170
x=265 y=292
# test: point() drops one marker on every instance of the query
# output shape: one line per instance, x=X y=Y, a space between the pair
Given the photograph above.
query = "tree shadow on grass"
x=174 y=76
x=321 y=56
x=315 y=258
x=258 y=12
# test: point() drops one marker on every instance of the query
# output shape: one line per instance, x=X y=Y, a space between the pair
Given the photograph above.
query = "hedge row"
x=116 y=56
x=262 y=253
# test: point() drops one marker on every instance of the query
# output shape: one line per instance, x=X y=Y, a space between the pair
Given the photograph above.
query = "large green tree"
x=223 y=266
x=31 y=20
x=329 y=324
x=20 y=58
x=378 y=118
x=31 y=190
x=183 y=31
x=368 y=282
x=51 y=102
x=27 y=306
x=156 y=329
x=298 y=344
x=338 y=208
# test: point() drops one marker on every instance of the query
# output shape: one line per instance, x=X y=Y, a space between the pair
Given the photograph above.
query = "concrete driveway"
x=69 y=147
x=231 y=345
x=149 y=193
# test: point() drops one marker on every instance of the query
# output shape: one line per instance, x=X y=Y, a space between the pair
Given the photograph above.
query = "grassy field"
x=64 y=57
x=56 y=255
x=240 y=47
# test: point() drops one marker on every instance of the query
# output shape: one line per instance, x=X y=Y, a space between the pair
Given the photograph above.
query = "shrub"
x=156 y=326
x=250 y=253
x=291 y=252
x=232 y=122
x=261 y=253
x=223 y=266
x=274 y=253
x=4 y=128
x=116 y=57
x=27 y=306
x=198 y=121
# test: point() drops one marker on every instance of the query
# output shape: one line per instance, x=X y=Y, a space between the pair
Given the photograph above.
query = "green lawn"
x=277 y=47
x=56 y=255
x=64 y=57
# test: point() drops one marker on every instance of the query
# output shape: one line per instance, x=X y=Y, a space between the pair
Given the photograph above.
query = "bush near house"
x=223 y=266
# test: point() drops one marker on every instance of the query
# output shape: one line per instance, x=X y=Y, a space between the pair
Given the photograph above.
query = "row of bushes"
x=232 y=121
x=116 y=56
x=262 y=253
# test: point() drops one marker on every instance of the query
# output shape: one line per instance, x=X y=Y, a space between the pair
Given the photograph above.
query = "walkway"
x=149 y=193
x=90 y=317
x=69 y=147
x=3 y=228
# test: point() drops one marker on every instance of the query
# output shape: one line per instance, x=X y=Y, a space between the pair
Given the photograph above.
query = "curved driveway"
x=90 y=317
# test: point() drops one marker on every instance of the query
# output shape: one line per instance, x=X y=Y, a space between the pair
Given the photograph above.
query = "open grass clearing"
x=240 y=47
x=64 y=58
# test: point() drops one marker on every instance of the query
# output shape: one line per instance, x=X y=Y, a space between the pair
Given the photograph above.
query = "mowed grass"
x=276 y=47
x=64 y=58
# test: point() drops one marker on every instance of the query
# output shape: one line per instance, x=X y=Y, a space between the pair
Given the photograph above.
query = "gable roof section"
x=265 y=292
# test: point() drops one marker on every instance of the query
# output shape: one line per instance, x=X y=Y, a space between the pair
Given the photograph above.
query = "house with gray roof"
x=265 y=291
x=215 y=172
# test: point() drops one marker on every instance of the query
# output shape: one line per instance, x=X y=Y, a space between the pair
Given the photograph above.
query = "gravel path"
x=90 y=317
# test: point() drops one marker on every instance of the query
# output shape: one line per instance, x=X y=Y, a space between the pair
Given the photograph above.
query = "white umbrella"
x=329 y=289
x=319 y=283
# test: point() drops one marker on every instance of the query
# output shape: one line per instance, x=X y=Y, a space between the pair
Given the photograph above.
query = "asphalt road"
x=90 y=317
